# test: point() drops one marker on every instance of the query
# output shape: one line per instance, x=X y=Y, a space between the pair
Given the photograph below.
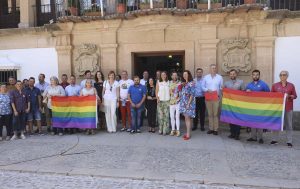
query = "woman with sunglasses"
x=111 y=95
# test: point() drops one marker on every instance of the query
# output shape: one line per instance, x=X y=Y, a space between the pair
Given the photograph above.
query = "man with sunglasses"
x=289 y=89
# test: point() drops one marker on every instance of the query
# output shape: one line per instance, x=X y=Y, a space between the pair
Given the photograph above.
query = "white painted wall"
x=32 y=62
x=287 y=57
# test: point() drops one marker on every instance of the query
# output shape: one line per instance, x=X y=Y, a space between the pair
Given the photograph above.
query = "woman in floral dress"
x=187 y=103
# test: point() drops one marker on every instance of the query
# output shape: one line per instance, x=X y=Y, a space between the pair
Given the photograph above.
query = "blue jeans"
x=19 y=122
x=136 y=114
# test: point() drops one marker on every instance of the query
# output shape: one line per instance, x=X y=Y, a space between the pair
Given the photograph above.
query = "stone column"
x=27 y=13
x=208 y=54
x=265 y=47
x=64 y=60
x=108 y=58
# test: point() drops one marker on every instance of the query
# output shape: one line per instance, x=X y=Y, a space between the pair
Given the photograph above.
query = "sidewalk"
x=205 y=159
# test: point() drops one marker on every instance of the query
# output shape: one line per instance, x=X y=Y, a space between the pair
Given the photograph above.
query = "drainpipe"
x=209 y=4
x=151 y=4
x=101 y=7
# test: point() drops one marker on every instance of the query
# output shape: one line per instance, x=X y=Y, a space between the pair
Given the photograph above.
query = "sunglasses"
x=283 y=74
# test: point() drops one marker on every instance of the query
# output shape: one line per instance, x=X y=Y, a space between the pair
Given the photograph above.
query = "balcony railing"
x=49 y=13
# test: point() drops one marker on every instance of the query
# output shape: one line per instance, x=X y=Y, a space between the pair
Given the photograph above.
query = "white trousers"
x=110 y=114
x=175 y=116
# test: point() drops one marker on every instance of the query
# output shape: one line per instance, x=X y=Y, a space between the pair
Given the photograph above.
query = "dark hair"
x=199 y=69
x=96 y=78
x=174 y=72
x=256 y=71
x=87 y=71
x=190 y=77
x=43 y=75
x=148 y=83
x=32 y=78
x=136 y=76
x=233 y=70
x=160 y=79
x=25 y=80
x=19 y=81
x=64 y=75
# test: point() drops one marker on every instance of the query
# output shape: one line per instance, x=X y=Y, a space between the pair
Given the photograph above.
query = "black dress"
x=151 y=106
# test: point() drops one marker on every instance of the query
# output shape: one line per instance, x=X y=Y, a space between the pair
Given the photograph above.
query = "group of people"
x=160 y=99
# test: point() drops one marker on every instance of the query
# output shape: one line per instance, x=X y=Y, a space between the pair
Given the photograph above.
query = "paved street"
x=145 y=160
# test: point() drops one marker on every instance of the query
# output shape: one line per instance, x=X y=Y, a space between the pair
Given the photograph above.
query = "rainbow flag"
x=74 y=112
x=263 y=110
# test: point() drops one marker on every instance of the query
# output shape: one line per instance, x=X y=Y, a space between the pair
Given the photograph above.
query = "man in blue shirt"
x=136 y=97
x=34 y=96
x=258 y=86
x=200 y=100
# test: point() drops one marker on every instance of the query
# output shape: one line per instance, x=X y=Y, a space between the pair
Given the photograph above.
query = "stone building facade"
x=240 y=38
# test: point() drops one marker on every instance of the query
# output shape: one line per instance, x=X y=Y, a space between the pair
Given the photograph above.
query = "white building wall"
x=287 y=57
x=32 y=62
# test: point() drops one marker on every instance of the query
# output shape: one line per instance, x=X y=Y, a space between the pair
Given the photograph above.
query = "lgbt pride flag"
x=74 y=112
x=263 y=110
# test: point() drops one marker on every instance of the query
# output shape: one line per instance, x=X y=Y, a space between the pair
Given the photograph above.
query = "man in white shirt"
x=213 y=82
x=87 y=75
x=124 y=105
x=144 y=81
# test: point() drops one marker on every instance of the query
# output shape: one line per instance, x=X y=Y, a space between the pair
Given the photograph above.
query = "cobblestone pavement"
x=13 y=180
x=149 y=161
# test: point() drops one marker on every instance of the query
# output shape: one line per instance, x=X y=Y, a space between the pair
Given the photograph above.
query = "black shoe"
x=202 y=129
x=215 y=132
x=274 y=142
x=194 y=128
x=48 y=129
x=237 y=137
x=261 y=141
x=290 y=145
x=231 y=136
x=210 y=132
x=132 y=131
x=251 y=140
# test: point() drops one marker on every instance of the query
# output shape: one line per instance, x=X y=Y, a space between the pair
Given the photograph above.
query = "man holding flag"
x=257 y=85
x=235 y=84
x=289 y=89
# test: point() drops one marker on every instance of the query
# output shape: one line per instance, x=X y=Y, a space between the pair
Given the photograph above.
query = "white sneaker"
x=14 y=137
x=23 y=136
x=60 y=134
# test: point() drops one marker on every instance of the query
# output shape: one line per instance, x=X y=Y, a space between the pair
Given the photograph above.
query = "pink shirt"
x=288 y=89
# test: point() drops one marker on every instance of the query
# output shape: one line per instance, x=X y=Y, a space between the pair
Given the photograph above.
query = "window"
x=45 y=6
x=5 y=74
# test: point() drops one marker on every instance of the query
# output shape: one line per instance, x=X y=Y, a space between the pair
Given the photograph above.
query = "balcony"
x=105 y=9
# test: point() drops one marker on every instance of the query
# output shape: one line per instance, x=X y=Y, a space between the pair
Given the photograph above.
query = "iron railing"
x=49 y=13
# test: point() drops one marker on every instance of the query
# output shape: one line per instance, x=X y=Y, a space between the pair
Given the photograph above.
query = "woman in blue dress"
x=187 y=101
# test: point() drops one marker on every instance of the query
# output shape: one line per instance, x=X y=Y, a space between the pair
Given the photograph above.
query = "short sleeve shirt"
x=259 y=86
x=5 y=104
x=20 y=100
x=33 y=95
x=124 y=86
x=137 y=92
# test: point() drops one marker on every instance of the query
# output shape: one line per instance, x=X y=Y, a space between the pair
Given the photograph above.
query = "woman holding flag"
x=89 y=90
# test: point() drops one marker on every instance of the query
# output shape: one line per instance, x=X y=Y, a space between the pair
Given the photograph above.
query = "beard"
x=255 y=79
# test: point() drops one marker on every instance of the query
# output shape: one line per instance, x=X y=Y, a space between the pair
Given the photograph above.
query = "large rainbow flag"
x=74 y=112
x=264 y=110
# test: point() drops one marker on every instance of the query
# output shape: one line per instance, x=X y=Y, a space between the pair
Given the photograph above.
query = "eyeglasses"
x=283 y=75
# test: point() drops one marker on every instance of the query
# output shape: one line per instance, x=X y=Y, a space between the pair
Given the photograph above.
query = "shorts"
x=36 y=115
